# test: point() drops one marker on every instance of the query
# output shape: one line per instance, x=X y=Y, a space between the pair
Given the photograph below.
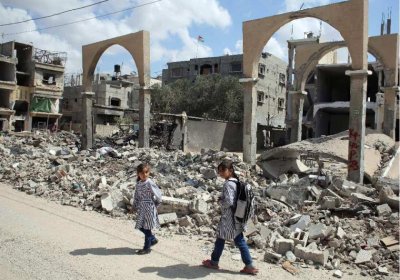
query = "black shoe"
x=144 y=251
x=154 y=242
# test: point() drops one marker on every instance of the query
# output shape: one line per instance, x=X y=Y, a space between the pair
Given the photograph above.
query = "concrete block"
x=283 y=245
x=302 y=223
x=167 y=218
x=299 y=237
x=318 y=231
x=384 y=210
x=272 y=257
x=317 y=256
x=329 y=202
x=363 y=256
x=199 y=206
x=340 y=233
x=171 y=204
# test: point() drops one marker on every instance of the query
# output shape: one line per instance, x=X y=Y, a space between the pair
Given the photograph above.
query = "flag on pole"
x=200 y=39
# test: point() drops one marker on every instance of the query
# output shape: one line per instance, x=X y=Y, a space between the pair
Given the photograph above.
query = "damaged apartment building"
x=271 y=88
x=327 y=103
x=116 y=96
x=31 y=85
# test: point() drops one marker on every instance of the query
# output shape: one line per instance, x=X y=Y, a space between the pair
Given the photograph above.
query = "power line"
x=78 y=21
x=52 y=15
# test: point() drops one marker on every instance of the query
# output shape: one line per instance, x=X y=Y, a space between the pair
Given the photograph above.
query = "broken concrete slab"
x=112 y=200
x=272 y=257
x=329 y=202
x=386 y=195
x=302 y=223
x=308 y=254
x=383 y=210
x=283 y=245
x=172 y=204
x=199 y=206
x=318 y=231
x=360 y=198
x=276 y=167
x=167 y=218
x=363 y=256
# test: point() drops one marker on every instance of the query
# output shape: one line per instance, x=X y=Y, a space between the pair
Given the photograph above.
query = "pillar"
x=379 y=112
x=297 y=99
x=390 y=108
x=249 y=120
x=358 y=106
x=144 y=117
x=87 y=121
x=184 y=132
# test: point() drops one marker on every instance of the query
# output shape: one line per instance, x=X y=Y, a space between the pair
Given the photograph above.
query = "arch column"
x=87 y=120
x=379 y=112
x=358 y=106
x=249 y=120
x=144 y=117
x=389 y=119
x=297 y=100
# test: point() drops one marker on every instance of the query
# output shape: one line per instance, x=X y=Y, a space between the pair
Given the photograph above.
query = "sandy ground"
x=44 y=240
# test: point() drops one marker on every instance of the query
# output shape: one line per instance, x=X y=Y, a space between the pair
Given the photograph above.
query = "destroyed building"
x=116 y=96
x=327 y=104
x=271 y=85
x=31 y=86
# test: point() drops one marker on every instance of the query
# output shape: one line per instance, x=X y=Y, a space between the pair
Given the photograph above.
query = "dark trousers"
x=148 y=238
x=239 y=242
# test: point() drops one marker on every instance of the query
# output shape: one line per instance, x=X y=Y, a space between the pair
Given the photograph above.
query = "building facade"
x=115 y=97
x=271 y=84
x=31 y=86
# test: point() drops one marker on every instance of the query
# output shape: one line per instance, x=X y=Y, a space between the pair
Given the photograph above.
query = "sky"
x=174 y=26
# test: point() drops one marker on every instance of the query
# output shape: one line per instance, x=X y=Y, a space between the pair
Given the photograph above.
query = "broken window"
x=261 y=69
x=281 y=103
x=260 y=96
x=176 y=73
x=236 y=67
x=282 y=78
x=49 y=79
x=115 y=102
x=205 y=69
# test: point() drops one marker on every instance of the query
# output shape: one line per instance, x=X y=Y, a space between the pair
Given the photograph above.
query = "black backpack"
x=244 y=202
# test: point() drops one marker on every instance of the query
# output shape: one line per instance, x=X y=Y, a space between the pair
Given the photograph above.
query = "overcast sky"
x=174 y=26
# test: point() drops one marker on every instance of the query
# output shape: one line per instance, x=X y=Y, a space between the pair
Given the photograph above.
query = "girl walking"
x=229 y=228
x=147 y=198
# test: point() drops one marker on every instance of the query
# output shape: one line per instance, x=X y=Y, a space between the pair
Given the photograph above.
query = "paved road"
x=44 y=240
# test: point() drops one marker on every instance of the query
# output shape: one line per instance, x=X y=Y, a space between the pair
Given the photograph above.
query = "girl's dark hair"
x=228 y=164
x=140 y=168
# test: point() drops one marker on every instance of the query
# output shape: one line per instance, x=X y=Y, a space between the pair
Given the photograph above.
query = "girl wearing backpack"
x=147 y=198
x=229 y=228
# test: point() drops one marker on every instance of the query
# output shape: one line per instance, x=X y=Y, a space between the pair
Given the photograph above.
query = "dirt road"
x=44 y=240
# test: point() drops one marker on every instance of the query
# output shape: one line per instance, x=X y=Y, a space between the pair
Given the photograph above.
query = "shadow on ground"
x=183 y=271
x=101 y=251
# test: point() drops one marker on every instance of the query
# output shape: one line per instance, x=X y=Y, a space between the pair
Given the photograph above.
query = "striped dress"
x=228 y=227
x=146 y=194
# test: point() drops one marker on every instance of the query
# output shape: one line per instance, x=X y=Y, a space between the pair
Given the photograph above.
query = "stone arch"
x=257 y=33
x=309 y=61
x=350 y=18
x=137 y=44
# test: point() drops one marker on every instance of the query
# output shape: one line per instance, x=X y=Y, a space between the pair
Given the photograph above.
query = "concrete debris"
x=272 y=257
x=338 y=274
x=363 y=256
x=312 y=214
x=384 y=210
x=283 y=245
x=167 y=218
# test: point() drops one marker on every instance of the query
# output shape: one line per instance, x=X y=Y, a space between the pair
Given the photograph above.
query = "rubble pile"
x=312 y=217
